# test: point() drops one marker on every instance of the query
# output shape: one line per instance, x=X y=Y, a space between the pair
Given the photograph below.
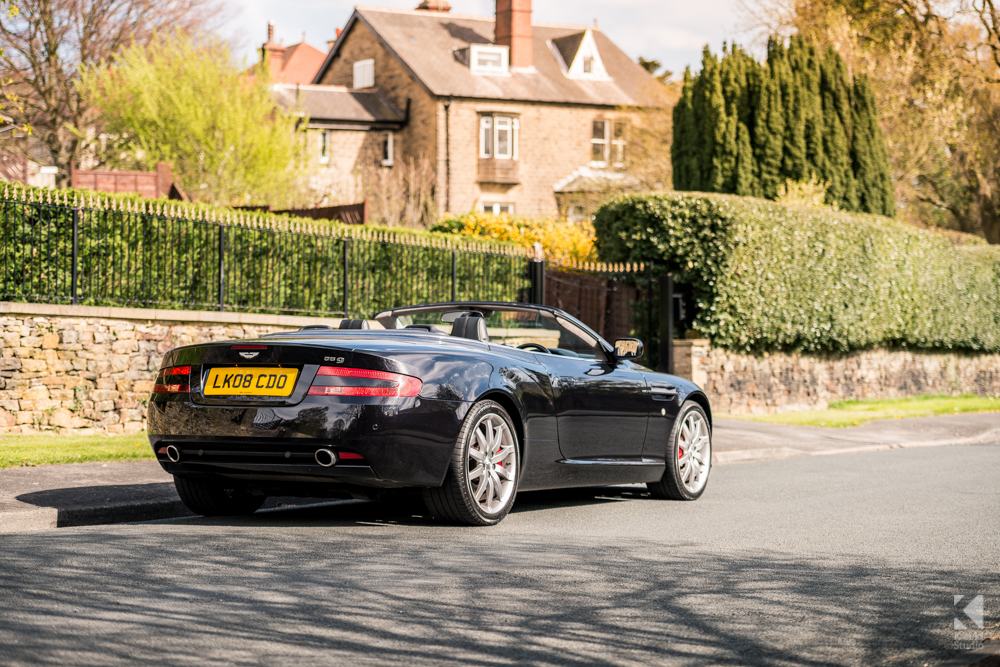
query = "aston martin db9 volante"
x=463 y=403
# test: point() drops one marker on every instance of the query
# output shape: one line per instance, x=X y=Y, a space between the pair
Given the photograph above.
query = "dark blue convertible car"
x=463 y=403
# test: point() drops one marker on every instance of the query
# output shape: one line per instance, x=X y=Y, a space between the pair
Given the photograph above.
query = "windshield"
x=515 y=328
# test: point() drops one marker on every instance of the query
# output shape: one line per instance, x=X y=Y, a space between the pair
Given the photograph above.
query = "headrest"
x=470 y=326
x=353 y=324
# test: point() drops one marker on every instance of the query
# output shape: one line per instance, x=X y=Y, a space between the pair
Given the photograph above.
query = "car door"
x=601 y=410
x=601 y=407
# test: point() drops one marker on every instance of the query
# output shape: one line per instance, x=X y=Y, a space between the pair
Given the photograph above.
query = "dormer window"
x=489 y=59
x=579 y=57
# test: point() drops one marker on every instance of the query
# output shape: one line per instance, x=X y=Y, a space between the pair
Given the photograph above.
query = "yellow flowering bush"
x=562 y=240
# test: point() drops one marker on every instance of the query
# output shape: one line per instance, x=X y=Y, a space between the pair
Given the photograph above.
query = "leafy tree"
x=933 y=70
x=184 y=101
x=653 y=66
x=45 y=42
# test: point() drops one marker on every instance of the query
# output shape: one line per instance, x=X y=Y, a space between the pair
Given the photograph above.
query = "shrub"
x=771 y=277
x=562 y=240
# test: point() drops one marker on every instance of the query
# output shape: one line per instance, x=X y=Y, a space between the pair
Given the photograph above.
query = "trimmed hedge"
x=771 y=277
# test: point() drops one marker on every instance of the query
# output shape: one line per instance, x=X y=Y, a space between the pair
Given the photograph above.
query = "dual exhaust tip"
x=324 y=457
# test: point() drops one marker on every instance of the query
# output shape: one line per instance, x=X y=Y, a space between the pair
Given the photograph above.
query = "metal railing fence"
x=147 y=254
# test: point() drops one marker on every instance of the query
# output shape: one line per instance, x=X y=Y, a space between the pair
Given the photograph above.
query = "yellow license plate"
x=250 y=381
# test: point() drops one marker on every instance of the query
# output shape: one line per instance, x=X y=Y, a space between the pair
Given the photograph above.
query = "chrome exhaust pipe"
x=325 y=458
x=173 y=454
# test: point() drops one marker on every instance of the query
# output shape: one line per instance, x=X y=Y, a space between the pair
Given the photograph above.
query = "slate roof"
x=330 y=106
x=425 y=42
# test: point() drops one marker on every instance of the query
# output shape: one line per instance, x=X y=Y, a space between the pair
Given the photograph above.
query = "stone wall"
x=740 y=384
x=91 y=370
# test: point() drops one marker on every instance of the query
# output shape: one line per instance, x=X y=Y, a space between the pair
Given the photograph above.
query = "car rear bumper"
x=379 y=442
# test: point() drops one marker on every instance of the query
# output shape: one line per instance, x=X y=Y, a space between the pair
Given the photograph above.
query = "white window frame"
x=494 y=207
x=605 y=143
x=364 y=73
x=492 y=49
x=388 y=149
x=324 y=147
x=501 y=125
x=618 y=146
x=490 y=127
x=486 y=137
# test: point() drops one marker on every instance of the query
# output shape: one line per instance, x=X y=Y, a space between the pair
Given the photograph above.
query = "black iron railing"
x=96 y=251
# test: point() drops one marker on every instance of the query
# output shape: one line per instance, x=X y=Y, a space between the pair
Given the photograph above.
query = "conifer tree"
x=684 y=149
x=870 y=160
x=746 y=129
x=837 y=133
x=769 y=123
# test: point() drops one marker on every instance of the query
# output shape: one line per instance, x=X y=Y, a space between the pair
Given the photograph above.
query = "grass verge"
x=36 y=450
x=855 y=412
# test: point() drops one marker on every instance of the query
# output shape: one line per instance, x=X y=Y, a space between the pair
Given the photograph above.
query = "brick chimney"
x=434 y=6
x=274 y=52
x=513 y=29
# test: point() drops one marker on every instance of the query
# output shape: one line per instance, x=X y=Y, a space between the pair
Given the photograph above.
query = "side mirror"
x=628 y=348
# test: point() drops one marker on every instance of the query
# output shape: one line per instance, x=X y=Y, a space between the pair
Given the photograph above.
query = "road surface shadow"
x=164 y=596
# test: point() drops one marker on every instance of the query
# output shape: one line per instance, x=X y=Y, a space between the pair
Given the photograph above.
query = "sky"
x=671 y=31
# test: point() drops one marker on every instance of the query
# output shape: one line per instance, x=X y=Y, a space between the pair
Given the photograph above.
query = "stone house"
x=506 y=115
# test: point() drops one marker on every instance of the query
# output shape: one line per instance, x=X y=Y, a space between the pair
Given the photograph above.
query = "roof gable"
x=427 y=44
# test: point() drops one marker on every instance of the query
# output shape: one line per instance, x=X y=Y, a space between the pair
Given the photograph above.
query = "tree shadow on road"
x=326 y=587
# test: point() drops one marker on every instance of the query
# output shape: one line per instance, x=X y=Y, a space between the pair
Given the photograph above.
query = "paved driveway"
x=850 y=559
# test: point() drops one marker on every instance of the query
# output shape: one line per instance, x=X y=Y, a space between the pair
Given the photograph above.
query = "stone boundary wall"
x=747 y=384
x=91 y=370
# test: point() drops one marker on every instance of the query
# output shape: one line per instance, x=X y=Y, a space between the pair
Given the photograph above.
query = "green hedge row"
x=772 y=277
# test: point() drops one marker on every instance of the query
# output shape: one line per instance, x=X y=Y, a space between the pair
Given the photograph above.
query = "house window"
x=498 y=137
x=387 y=150
x=364 y=73
x=324 y=147
x=498 y=208
x=619 y=142
x=577 y=213
x=588 y=65
x=486 y=136
x=488 y=59
x=599 y=143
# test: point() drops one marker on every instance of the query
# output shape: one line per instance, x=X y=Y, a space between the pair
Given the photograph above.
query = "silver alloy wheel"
x=492 y=464
x=694 y=452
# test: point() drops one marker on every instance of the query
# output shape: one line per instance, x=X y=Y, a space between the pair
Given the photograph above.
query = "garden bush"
x=770 y=277
x=562 y=240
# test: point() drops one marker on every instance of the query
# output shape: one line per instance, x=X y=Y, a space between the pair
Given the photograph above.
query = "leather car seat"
x=354 y=324
x=470 y=326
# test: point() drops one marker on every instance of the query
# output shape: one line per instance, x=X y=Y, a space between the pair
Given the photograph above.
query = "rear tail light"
x=173 y=380
x=361 y=382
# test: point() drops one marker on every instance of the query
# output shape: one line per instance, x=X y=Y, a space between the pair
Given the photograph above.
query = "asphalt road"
x=850 y=559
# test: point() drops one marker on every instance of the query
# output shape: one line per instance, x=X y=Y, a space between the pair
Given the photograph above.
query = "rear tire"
x=481 y=483
x=213 y=499
x=689 y=457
